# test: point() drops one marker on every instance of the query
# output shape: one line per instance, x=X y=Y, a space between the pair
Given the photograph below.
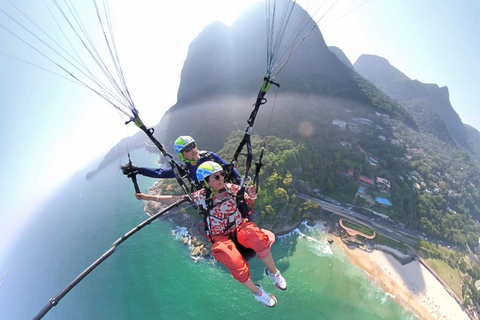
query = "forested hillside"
x=429 y=104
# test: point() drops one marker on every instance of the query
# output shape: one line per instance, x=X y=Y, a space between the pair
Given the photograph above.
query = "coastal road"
x=385 y=228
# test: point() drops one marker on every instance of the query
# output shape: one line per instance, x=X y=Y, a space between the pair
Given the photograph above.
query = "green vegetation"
x=433 y=186
x=453 y=277
x=277 y=204
x=383 y=102
x=430 y=250
x=382 y=240
x=448 y=199
x=455 y=268
x=358 y=227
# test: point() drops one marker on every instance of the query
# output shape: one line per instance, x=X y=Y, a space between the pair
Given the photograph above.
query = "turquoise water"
x=151 y=276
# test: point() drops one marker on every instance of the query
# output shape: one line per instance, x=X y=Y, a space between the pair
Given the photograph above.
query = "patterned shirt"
x=224 y=216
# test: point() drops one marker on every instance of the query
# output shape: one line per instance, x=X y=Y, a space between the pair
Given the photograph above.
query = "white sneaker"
x=267 y=299
x=277 y=279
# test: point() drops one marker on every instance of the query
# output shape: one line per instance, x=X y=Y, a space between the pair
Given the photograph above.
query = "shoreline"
x=410 y=285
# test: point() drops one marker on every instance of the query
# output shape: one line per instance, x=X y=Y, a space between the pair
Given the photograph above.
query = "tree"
x=288 y=180
x=281 y=195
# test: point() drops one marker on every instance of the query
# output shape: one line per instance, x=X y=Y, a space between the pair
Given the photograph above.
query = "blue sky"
x=52 y=127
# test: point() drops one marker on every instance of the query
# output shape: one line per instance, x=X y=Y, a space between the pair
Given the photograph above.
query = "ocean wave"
x=196 y=259
x=291 y=233
x=316 y=237
x=390 y=295
x=180 y=234
x=407 y=315
x=375 y=293
x=385 y=297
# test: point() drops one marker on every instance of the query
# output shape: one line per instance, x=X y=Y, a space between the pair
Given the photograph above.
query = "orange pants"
x=249 y=236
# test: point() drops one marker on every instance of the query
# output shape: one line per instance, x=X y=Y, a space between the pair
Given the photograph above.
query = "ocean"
x=151 y=275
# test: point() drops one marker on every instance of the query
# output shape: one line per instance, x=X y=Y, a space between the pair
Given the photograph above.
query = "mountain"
x=225 y=67
x=341 y=56
x=232 y=60
x=428 y=103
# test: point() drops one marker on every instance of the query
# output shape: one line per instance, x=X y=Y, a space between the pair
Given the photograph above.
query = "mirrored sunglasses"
x=189 y=147
x=217 y=176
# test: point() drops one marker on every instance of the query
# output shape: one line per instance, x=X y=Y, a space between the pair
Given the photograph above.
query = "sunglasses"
x=189 y=147
x=217 y=176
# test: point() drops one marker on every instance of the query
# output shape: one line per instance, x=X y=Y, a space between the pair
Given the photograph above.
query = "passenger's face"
x=217 y=181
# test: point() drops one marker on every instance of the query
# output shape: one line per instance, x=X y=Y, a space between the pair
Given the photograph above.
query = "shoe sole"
x=276 y=286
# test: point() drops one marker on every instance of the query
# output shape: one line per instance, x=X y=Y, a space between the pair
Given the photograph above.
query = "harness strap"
x=258 y=166
x=266 y=84
x=178 y=170
x=241 y=205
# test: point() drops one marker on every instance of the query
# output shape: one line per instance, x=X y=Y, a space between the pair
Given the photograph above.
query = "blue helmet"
x=181 y=143
x=206 y=169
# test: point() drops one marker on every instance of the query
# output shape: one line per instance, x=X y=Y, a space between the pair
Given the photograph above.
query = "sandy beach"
x=411 y=284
